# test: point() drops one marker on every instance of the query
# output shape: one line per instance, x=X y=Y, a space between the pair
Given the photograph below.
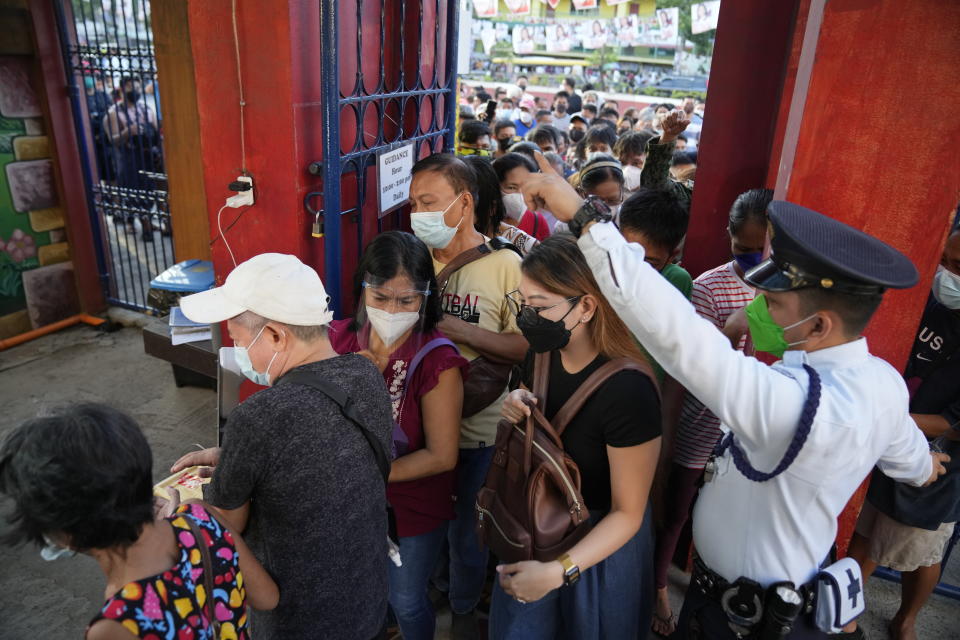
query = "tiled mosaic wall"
x=32 y=228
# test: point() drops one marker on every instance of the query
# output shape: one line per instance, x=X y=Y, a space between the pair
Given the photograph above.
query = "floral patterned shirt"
x=423 y=504
x=172 y=605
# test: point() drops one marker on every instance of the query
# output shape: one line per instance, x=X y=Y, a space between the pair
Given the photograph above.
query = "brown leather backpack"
x=530 y=506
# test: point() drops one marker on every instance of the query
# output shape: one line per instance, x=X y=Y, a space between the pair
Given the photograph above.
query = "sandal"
x=857 y=634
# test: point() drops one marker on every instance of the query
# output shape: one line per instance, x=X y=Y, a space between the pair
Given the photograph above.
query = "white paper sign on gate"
x=393 y=177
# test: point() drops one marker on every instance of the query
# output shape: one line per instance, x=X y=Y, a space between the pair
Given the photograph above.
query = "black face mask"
x=133 y=96
x=560 y=108
x=542 y=334
x=504 y=143
x=576 y=135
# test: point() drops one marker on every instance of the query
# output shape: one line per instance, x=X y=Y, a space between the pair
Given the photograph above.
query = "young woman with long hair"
x=615 y=442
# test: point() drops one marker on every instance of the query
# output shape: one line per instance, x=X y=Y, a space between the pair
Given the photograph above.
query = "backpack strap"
x=415 y=364
x=423 y=353
x=206 y=563
x=541 y=378
x=462 y=260
x=349 y=410
x=541 y=383
x=498 y=243
x=590 y=386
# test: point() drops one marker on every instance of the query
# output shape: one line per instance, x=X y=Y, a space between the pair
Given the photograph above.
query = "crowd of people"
x=125 y=131
x=537 y=330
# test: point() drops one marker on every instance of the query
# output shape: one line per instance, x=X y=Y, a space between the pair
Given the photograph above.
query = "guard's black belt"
x=745 y=602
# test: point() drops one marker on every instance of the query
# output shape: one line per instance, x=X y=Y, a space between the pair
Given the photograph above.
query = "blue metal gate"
x=108 y=55
x=403 y=90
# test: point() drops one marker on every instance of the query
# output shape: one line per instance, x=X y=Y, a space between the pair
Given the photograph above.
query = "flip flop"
x=852 y=635
x=670 y=622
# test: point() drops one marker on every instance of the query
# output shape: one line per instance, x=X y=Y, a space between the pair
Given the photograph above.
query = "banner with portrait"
x=580 y=5
x=523 y=39
x=559 y=37
x=669 y=21
x=485 y=8
x=517 y=7
x=704 y=15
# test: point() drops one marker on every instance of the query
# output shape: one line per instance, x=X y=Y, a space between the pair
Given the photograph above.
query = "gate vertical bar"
x=74 y=92
x=330 y=86
x=450 y=105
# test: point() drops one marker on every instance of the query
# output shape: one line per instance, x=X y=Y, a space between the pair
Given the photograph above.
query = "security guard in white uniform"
x=800 y=436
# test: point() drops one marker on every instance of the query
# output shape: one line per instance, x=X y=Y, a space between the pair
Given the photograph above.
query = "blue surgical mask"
x=242 y=356
x=946 y=288
x=54 y=551
x=748 y=261
x=431 y=228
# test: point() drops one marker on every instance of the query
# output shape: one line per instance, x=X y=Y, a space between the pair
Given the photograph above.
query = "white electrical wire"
x=236 y=47
x=223 y=236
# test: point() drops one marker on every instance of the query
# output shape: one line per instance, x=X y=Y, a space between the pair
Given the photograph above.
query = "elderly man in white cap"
x=302 y=462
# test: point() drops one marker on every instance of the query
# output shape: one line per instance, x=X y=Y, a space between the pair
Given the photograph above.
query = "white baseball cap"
x=274 y=286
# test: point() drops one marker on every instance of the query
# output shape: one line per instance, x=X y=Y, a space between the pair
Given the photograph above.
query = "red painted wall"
x=280 y=59
x=273 y=52
x=862 y=158
x=750 y=55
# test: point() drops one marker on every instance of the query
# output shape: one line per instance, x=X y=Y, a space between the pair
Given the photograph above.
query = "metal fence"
x=112 y=77
x=388 y=77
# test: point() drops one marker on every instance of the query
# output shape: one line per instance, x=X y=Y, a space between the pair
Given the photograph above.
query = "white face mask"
x=514 y=205
x=431 y=228
x=615 y=212
x=242 y=357
x=631 y=177
x=526 y=117
x=391 y=326
x=54 y=551
x=946 y=288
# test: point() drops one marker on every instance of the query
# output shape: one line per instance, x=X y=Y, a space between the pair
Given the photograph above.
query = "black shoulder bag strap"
x=345 y=402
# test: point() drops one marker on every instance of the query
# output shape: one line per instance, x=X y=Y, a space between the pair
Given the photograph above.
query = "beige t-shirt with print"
x=476 y=294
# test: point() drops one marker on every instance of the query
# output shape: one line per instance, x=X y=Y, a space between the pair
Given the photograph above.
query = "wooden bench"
x=194 y=364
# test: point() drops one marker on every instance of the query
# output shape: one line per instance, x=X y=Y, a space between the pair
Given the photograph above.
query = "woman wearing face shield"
x=395 y=326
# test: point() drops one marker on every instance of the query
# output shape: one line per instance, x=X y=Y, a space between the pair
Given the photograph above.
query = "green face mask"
x=766 y=334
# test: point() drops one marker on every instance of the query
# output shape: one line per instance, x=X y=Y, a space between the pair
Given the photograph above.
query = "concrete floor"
x=54 y=600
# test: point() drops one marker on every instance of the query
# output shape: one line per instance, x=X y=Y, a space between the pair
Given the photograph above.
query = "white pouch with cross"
x=840 y=597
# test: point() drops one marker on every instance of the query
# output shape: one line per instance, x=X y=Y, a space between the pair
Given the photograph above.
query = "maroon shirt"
x=424 y=504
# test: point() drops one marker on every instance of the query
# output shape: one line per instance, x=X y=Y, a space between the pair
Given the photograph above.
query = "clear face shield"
x=392 y=313
x=391 y=323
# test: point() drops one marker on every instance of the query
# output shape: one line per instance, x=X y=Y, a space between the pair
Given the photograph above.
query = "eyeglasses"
x=530 y=312
x=388 y=299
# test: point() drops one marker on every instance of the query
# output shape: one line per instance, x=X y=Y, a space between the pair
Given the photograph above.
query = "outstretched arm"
x=656 y=168
x=688 y=347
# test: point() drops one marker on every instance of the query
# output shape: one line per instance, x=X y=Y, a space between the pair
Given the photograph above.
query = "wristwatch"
x=571 y=572
x=593 y=210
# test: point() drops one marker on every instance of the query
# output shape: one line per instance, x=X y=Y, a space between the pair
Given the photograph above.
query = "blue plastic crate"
x=189 y=276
